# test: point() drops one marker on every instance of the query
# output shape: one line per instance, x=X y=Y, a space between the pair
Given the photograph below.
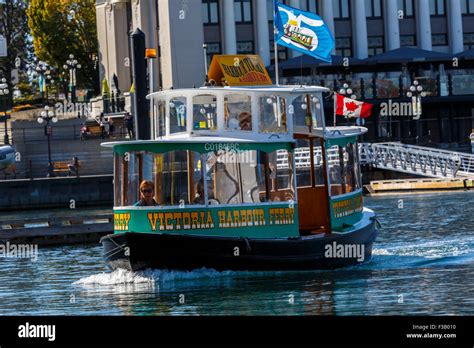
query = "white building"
x=179 y=28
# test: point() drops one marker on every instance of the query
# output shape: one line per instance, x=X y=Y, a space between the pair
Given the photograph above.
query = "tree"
x=63 y=27
x=15 y=30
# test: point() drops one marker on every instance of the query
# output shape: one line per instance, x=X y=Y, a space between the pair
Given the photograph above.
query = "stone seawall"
x=59 y=192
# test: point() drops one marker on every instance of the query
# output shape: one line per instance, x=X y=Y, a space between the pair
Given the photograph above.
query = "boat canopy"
x=256 y=112
x=200 y=145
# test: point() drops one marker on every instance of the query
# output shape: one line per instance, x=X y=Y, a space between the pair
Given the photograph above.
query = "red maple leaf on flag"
x=351 y=106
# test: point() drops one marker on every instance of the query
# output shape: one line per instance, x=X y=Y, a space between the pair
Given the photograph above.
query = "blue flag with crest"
x=302 y=31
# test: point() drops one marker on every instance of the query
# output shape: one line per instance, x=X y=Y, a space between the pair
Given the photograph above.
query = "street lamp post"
x=48 y=115
x=416 y=92
x=43 y=70
x=4 y=92
x=72 y=65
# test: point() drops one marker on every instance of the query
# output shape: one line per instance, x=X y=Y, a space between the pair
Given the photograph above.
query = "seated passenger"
x=200 y=195
x=146 y=195
x=245 y=120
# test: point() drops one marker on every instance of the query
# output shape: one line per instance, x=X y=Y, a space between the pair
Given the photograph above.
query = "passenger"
x=245 y=121
x=146 y=195
x=200 y=195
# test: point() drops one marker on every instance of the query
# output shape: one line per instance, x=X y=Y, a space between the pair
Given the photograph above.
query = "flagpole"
x=335 y=106
x=277 y=73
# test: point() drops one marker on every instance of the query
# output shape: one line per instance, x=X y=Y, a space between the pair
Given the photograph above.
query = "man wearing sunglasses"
x=146 y=194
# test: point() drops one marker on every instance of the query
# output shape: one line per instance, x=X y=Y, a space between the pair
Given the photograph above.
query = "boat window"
x=307 y=111
x=161 y=114
x=178 y=115
x=280 y=176
x=205 y=112
x=272 y=114
x=303 y=163
x=344 y=169
x=118 y=170
x=335 y=177
x=238 y=112
x=174 y=179
x=234 y=176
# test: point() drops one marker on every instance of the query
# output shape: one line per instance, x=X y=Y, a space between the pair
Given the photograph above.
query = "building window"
x=243 y=11
x=210 y=12
x=373 y=8
x=437 y=7
x=468 y=41
x=407 y=41
x=344 y=46
x=244 y=47
x=406 y=6
x=341 y=9
x=375 y=45
x=467 y=6
x=212 y=49
x=282 y=52
x=439 y=39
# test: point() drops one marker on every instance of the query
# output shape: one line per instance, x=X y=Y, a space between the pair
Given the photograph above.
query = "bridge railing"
x=418 y=160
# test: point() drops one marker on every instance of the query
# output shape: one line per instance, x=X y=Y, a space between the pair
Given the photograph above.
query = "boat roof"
x=292 y=89
x=191 y=140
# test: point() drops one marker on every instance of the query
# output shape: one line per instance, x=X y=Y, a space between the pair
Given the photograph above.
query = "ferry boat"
x=242 y=178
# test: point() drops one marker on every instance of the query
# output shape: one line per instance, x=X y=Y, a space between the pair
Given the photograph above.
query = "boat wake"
x=445 y=252
x=124 y=277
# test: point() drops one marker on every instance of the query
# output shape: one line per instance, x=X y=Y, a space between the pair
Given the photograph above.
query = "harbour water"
x=423 y=264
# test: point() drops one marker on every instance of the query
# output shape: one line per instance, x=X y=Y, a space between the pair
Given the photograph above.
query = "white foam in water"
x=123 y=277
x=117 y=277
x=434 y=249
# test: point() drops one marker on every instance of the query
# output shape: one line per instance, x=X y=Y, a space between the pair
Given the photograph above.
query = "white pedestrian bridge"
x=418 y=160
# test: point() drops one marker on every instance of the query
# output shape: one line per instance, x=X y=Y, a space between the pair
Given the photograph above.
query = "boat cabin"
x=240 y=161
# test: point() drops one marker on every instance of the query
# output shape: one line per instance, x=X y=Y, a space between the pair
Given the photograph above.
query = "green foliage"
x=14 y=28
x=63 y=27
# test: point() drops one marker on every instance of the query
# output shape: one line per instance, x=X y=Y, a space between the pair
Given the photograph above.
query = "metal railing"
x=418 y=160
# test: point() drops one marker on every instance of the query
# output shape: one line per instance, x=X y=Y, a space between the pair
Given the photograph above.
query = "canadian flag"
x=352 y=108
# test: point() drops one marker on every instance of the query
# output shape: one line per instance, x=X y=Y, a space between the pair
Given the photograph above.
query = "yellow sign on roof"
x=239 y=70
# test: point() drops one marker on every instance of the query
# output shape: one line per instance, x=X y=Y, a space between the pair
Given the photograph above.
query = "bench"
x=94 y=131
x=63 y=167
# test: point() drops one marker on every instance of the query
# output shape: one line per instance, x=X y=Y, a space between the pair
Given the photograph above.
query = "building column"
x=144 y=16
x=359 y=30
x=182 y=61
x=392 y=25
x=455 y=26
x=291 y=52
x=117 y=43
x=230 y=36
x=263 y=36
x=423 y=24
x=327 y=15
x=312 y=6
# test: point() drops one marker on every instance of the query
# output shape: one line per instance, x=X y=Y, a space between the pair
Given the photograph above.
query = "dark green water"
x=423 y=263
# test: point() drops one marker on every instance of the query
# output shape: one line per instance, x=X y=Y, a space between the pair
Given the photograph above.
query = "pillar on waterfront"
x=455 y=26
x=263 y=35
x=359 y=29
x=182 y=61
x=392 y=25
x=230 y=36
x=423 y=21
x=327 y=15
x=144 y=16
x=112 y=34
